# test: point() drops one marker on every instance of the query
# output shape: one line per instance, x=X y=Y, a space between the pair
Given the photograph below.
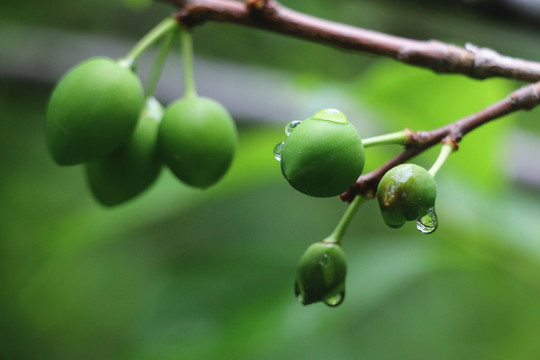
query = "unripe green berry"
x=324 y=155
x=131 y=169
x=93 y=111
x=197 y=138
x=321 y=274
x=406 y=192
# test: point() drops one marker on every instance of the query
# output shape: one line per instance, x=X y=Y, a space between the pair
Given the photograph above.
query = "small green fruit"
x=321 y=275
x=406 y=192
x=197 y=138
x=93 y=110
x=324 y=155
x=131 y=169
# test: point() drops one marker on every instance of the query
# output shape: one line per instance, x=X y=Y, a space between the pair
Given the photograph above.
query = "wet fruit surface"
x=323 y=155
x=321 y=275
x=406 y=192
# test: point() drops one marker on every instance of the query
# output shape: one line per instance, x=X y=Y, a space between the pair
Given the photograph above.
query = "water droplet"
x=277 y=151
x=335 y=300
x=298 y=293
x=290 y=126
x=428 y=223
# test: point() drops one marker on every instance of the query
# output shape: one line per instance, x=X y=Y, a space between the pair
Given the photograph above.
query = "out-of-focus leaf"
x=137 y=4
x=421 y=100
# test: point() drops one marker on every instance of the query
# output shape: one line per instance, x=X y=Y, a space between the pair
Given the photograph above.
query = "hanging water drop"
x=335 y=300
x=290 y=126
x=277 y=151
x=428 y=223
x=298 y=293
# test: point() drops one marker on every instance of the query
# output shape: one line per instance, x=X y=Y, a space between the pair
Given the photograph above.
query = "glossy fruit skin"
x=197 y=139
x=406 y=192
x=324 y=155
x=131 y=169
x=321 y=273
x=92 y=111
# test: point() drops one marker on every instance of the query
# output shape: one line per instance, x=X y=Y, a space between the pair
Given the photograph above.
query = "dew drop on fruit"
x=277 y=150
x=290 y=126
x=428 y=223
x=335 y=300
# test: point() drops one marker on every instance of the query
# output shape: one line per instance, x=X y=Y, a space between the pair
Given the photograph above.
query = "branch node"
x=453 y=141
x=526 y=97
x=256 y=4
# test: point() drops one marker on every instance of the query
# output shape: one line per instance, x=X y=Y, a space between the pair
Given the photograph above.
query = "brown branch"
x=269 y=15
x=472 y=61
x=524 y=98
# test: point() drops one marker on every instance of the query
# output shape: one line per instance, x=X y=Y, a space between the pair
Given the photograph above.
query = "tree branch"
x=470 y=60
x=475 y=62
x=524 y=98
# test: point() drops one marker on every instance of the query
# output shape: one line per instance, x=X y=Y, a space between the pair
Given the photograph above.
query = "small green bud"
x=323 y=156
x=406 y=192
x=321 y=275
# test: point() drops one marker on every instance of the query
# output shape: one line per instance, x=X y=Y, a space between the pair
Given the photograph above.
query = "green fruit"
x=406 y=192
x=197 y=138
x=324 y=155
x=321 y=275
x=131 y=169
x=93 y=110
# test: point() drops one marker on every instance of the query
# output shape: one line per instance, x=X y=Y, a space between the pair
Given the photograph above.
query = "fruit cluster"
x=100 y=116
x=323 y=156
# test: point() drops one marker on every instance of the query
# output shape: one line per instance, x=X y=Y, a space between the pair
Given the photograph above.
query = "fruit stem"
x=339 y=231
x=187 y=55
x=397 y=138
x=159 y=62
x=150 y=38
x=446 y=150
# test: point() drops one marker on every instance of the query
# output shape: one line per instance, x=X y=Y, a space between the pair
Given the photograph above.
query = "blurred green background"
x=180 y=273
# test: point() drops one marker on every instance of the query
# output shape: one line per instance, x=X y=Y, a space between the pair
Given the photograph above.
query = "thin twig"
x=479 y=63
x=524 y=98
x=470 y=60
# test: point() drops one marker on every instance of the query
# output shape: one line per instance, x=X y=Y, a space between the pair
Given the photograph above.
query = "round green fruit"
x=131 y=169
x=321 y=274
x=197 y=138
x=406 y=192
x=324 y=155
x=92 y=111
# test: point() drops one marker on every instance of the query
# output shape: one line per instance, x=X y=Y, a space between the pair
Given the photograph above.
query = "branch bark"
x=475 y=62
x=524 y=98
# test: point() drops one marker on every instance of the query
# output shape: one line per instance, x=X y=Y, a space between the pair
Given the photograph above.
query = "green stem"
x=446 y=150
x=397 y=138
x=187 y=55
x=151 y=37
x=339 y=231
x=160 y=61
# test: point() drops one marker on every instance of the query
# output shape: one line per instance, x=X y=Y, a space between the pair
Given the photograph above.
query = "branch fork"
x=470 y=60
